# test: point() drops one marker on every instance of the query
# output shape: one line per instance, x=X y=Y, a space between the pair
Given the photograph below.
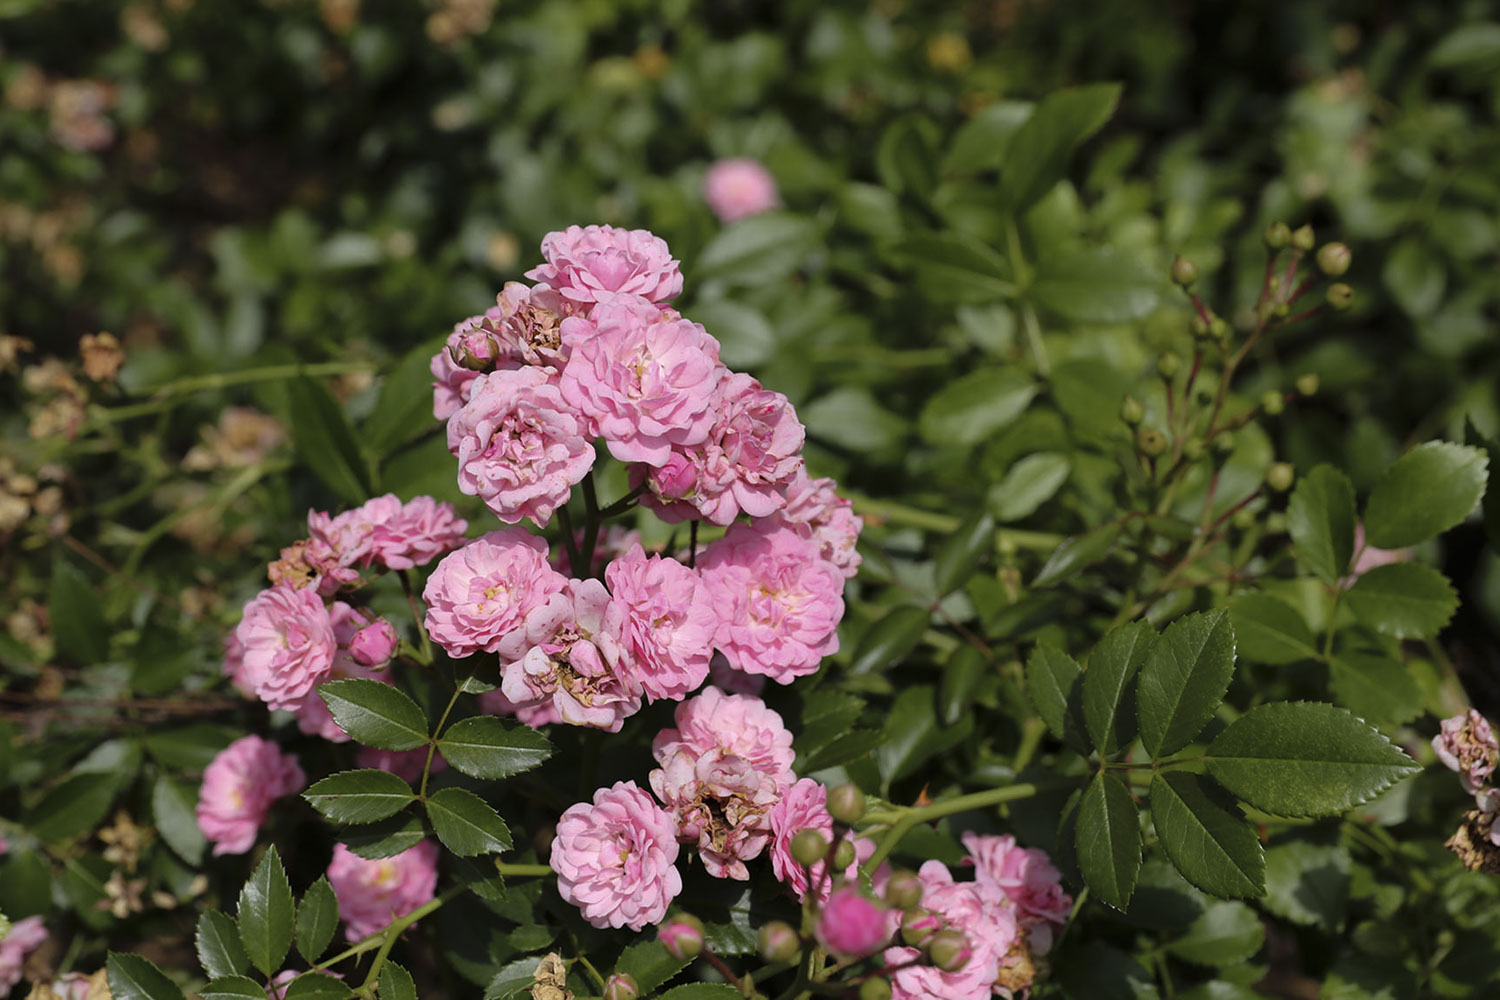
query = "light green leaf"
x=1028 y=484
x=1320 y=517
x=316 y=986
x=1415 y=277
x=954 y=267
x=1205 y=837
x=217 y=942
x=1308 y=884
x=486 y=747
x=1471 y=47
x=1427 y=491
x=511 y=980
x=1226 y=933
x=650 y=964
x=1077 y=553
x=359 y=796
x=890 y=640
x=850 y=418
x=132 y=977
x=317 y=919
x=982 y=142
x=1406 y=600
x=265 y=914
x=1109 y=840
x=1375 y=688
x=973 y=407
x=1183 y=680
x=1039 y=153
x=466 y=824
x=1108 y=698
x=1095 y=286
x=1054 y=680
x=375 y=714
x=174 y=810
x=395 y=983
x=1269 y=630
x=961 y=553
x=759 y=250
x=905 y=157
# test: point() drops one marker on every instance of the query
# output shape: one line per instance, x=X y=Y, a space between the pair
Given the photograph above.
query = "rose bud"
x=682 y=936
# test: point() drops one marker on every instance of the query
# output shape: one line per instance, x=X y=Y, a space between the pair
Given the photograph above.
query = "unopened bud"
x=1307 y=384
x=1131 y=411
x=375 y=644
x=1273 y=402
x=1280 y=476
x=1150 y=441
x=779 y=942
x=1339 y=295
x=1281 y=310
x=950 y=950
x=1223 y=442
x=1334 y=259
x=809 y=847
x=903 y=889
x=1303 y=238
x=843 y=855
x=874 y=989
x=1218 y=328
x=1192 y=449
x=1243 y=519
x=1276 y=523
x=1184 y=271
x=682 y=936
x=1199 y=326
x=1278 y=235
x=917 y=926
x=846 y=803
x=622 y=986
x=1169 y=364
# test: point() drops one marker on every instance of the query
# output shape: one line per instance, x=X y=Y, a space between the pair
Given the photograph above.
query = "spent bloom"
x=1466 y=744
x=238 y=788
x=803 y=807
x=1029 y=881
x=288 y=644
x=615 y=858
x=588 y=264
x=372 y=894
x=536 y=715
x=739 y=187
x=816 y=512
x=482 y=593
x=25 y=937
x=667 y=623
x=976 y=911
x=851 y=924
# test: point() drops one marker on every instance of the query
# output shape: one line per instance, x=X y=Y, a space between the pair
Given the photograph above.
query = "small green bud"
x=903 y=890
x=846 y=803
x=1131 y=411
x=1303 y=238
x=1169 y=364
x=950 y=950
x=809 y=847
x=1281 y=310
x=1199 y=326
x=1150 y=441
x=1339 y=295
x=1006 y=545
x=1184 y=271
x=1219 y=329
x=1223 y=442
x=917 y=926
x=622 y=986
x=779 y=942
x=682 y=935
x=1280 y=476
x=1243 y=519
x=874 y=989
x=843 y=855
x=1307 y=384
x=1276 y=523
x=1192 y=449
x=1334 y=259
x=1278 y=235
x=1273 y=402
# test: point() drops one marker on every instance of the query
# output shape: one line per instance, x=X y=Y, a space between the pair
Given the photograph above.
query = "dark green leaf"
x=404 y=409
x=1226 y=933
x=233 y=988
x=132 y=977
x=702 y=991
x=1415 y=277
x=913 y=735
x=1028 y=484
x=513 y=979
x=1205 y=837
x=1183 y=680
x=1375 y=688
x=1095 y=286
x=316 y=986
x=1471 y=47
x=961 y=553
x=905 y=157
x=73 y=807
x=650 y=964
x=757 y=251
x=173 y=809
x=849 y=747
x=1427 y=491
x=1308 y=884
x=1406 y=600
x=963 y=672
x=317 y=919
x=1108 y=698
x=890 y=640
x=466 y=824
x=486 y=747
x=359 y=796
x=1305 y=759
x=384 y=839
x=1093 y=970
x=1078 y=552
x=1040 y=151
x=375 y=714
x=1269 y=630
x=1320 y=517
x=218 y=945
x=970 y=409
x=77 y=618
x=326 y=441
x=265 y=914
x=1109 y=840
x=396 y=983
x=1055 y=682
x=954 y=267
x=1491 y=502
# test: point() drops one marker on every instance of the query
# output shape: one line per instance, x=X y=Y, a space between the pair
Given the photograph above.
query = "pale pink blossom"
x=4 y=846
x=667 y=623
x=234 y=665
x=815 y=511
x=981 y=914
x=481 y=594
x=1466 y=744
x=471 y=348
x=738 y=187
x=804 y=806
x=720 y=802
x=288 y=644
x=534 y=714
x=520 y=446
x=643 y=385
x=313 y=716
x=592 y=263
x=238 y=788
x=372 y=894
x=779 y=601
x=406 y=535
x=615 y=859
x=851 y=924
x=405 y=764
x=738 y=724
x=1029 y=881
x=25 y=937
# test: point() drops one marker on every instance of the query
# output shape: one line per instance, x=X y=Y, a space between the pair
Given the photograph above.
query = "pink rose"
x=739 y=724
x=520 y=447
x=815 y=511
x=1029 y=881
x=313 y=717
x=451 y=381
x=645 y=385
x=852 y=925
x=536 y=714
x=406 y=535
x=288 y=644
x=739 y=187
x=528 y=324
x=481 y=594
x=1466 y=744
x=667 y=623
x=591 y=264
x=976 y=911
x=779 y=601
x=25 y=937
x=615 y=858
x=234 y=665
x=372 y=894
x=803 y=807
x=405 y=764
x=238 y=788
x=720 y=802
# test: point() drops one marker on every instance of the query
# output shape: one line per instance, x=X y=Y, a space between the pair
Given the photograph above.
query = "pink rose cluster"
x=239 y=786
x=374 y=893
x=1466 y=743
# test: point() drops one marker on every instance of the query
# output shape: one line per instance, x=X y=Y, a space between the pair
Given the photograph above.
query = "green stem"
x=926 y=814
x=432 y=743
x=522 y=871
x=391 y=933
x=570 y=543
x=416 y=616
x=222 y=380
x=379 y=938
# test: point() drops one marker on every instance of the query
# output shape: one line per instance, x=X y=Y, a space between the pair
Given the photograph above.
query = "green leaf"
x=1095 y=286
x=1093 y=970
x=73 y=807
x=962 y=674
x=466 y=824
x=404 y=409
x=132 y=977
x=1406 y=600
x=1028 y=484
x=954 y=267
x=1055 y=682
x=1415 y=277
x=512 y=979
x=890 y=640
x=316 y=986
x=1308 y=884
x=395 y=983
x=1109 y=840
x=326 y=441
x=486 y=747
x=1471 y=47
x=1269 y=630
x=265 y=914
x=218 y=944
x=317 y=919
x=983 y=141
x=1320 y=517
x=233 y=988
x=1427 y=491
x=173 y=809
x=1375 y=688
x=650 y=964
x=1205 y=837
x=375 y=714
x=386 y=838
x=905 y=157
x=1226 y=933
x=77 y=616
x=850 y=418
x=701 y=991
x=1108 y=699
x=1183 y=680
x=1077 y=553
x=1299 y=759
x=359 y=796
x=972 y=408
x=1039 y=152
x=759 y=250
x=960 y=555
x=913 y=735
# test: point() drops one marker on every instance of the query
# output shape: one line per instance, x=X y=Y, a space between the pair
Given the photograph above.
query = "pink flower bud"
x=852 y=924
x=675 y=479
x=622 y=986
x=779 y=942
x=918 y=925
x=374 y=644
x=682 y=936
x=950 y=950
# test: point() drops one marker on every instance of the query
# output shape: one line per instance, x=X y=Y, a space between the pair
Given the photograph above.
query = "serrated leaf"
x=233 y=988
x=1109 y=840
x=512 y=979
x=395 y=983
x=132 y=977
x=1427 y=491
x=1308 y=884
x=362 y=796
x=487 y=747
x=890 y=639
x=1226 y=933
x=1054 y=680
x=466 y=824
x=217 y=942
x=1108 y=698
x=1205 y=836
x=375 y=714
x=265 y=914
x=1406 y=600
x=1183 y=680
x=1300 y=759
x=650 y=964
x=701 y=991
x=972 y=408
x=1043 y=145
x=317 y=919
x=1078 y=553
x=385 y=838
x=961 y=553
x=173 y=809
x=316 y=986
x=326 y=441
x=1375 y=688
x=1269 y=630
x=1320 y=517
